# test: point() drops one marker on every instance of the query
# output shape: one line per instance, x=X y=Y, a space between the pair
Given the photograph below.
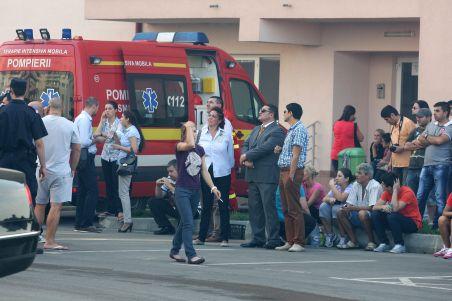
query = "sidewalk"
x=415 y=243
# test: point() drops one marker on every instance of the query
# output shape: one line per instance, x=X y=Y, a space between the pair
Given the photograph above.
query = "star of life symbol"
x=150 y=102
x=47 y=96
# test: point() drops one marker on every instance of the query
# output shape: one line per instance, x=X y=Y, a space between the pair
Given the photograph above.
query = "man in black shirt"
x=21 y=132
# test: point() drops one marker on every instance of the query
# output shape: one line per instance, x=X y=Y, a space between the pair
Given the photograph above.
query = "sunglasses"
x=212 y=116
x=264 y=111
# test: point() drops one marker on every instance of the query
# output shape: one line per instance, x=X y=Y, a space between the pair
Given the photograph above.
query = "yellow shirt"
x=399 y=135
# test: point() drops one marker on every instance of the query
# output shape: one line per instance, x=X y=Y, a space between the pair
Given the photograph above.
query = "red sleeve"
x=406 y=195
x=385 y=196
x=449 y=200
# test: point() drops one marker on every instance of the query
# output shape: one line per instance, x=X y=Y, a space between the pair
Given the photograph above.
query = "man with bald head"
x=62 y=153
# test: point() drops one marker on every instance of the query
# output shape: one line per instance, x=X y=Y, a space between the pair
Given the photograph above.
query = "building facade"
x=324 y=54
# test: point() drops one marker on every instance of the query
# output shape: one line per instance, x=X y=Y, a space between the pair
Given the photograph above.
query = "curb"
x=415 y=243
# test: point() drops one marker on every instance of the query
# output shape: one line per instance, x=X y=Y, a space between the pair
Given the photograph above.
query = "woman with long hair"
x=190 y=165
x=340 y=187
x=219 y=150
x=129 y=139
x=346 y=134
x=109 y=123
x=377 y=150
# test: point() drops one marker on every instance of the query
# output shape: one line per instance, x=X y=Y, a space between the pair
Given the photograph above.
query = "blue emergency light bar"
x=197 y=38
x=28 y=34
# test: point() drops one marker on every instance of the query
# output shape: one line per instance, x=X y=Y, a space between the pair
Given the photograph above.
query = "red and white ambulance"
x=164 y=78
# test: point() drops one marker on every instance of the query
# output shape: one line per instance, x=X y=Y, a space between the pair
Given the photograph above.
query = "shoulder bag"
x=128 y=165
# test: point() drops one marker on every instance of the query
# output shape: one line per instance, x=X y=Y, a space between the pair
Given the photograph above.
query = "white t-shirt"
x=61 y=134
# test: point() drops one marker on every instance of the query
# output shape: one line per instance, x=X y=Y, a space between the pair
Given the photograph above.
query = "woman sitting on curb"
x=445 y=229
x=332 y=202
x=398 y=211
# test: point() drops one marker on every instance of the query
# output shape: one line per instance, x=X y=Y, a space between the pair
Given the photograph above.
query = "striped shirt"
x=297 y=135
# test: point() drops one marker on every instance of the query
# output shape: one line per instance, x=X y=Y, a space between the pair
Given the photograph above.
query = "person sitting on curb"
x=163 y=204
x=445 y=230
x=356 y=212
x=398 y=211
x=333 y=201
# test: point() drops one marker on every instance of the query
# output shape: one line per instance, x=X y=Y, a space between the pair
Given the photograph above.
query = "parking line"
x=402 y=281
x=289 y=262
x=124 y=251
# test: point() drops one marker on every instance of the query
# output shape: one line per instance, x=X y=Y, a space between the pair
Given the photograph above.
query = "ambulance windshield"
x=45 y=85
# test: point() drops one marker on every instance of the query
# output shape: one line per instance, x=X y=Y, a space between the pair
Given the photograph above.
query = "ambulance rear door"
x=157 y=80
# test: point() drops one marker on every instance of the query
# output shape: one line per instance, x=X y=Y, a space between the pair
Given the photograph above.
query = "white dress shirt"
x=371 y=195
x=84 y=125
x=219 y=151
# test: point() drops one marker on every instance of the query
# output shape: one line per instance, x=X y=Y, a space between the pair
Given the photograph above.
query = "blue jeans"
x=412 y=179
x=395 y=222
x=186 y=203
x=433 y=177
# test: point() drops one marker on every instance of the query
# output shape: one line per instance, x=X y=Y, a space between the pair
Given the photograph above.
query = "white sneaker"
x=42 y=239
x=296 y=248
x=441 y=252
x=382 y=248
x=342 y=243
x=286 y=247
x=224 y=244
x=398 y=249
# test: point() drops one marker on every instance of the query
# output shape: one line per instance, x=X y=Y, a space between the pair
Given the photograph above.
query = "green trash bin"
x=351 y=158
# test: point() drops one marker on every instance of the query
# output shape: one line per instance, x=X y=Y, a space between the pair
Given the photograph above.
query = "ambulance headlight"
x=66 y=34
x=28 y=34
x=230 y=64
x=20 y=34
x=94 y=60
x=45 y=35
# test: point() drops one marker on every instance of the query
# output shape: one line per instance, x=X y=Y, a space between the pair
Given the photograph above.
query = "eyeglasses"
x=212 y=116
x=264 y=111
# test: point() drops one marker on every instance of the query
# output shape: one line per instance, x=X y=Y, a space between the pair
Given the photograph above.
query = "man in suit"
x=262 y=174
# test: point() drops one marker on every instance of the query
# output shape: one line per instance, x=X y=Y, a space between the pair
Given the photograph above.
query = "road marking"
x=288 y=271
x=404 y=281
x=289 y=262
x=116 y=239
x=125 y=251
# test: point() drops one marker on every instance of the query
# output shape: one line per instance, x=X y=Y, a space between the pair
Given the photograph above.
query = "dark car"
x=19 y=230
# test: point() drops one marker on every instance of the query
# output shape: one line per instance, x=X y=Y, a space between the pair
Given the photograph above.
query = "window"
x=44 y=85
x=264 y=72
x=159 y=100
x=246 y=101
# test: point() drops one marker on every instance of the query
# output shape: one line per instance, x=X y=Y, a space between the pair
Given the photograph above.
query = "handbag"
x=355 y=135
x=128 y=165
x=83 y=161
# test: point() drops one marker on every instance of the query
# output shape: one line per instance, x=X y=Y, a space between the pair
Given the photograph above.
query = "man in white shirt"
x=356 y=212
x=86 y=170
x=62 y=152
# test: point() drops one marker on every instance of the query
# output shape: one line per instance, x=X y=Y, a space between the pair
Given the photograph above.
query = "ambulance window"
x=246 y=101
x=159 y=101
x=44 y=85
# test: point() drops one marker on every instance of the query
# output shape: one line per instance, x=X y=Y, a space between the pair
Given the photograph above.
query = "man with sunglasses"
x=262 y=175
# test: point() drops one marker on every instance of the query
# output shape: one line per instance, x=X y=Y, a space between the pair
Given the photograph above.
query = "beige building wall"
x=331 y=52
x=55 y=15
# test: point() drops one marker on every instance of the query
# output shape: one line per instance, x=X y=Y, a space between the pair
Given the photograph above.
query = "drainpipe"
x=138 y=27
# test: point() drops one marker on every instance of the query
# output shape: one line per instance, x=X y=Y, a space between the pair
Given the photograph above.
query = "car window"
x=159 y=101
x=245 y=100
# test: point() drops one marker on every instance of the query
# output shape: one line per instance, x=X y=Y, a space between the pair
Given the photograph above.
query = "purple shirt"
x=189 y=168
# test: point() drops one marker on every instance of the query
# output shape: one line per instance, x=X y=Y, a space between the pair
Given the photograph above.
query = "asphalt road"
x=135 y=266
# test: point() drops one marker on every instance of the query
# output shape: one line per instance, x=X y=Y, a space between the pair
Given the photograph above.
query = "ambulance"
x=164 y=78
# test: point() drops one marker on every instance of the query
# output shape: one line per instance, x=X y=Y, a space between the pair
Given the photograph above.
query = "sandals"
x=196 y=260
x=56 y=248
x=177 y=258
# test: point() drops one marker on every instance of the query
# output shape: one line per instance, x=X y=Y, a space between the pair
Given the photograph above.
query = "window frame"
x=167 y=122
